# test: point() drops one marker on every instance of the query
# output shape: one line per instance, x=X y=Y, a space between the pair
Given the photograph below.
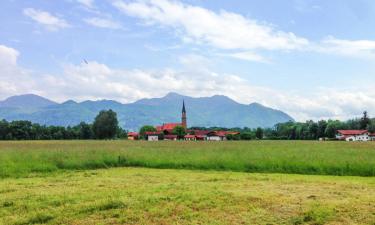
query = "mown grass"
x=20 y=159
x=154 y=196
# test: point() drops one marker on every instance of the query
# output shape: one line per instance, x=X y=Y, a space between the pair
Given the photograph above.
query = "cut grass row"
x=152 y=196
x=19 y=159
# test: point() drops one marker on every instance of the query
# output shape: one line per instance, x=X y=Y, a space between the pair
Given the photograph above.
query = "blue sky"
x=312 y=59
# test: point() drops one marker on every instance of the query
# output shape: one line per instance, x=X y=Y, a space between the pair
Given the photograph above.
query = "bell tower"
x=183 y=117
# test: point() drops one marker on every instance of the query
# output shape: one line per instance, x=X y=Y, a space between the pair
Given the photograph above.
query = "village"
x=167 y=131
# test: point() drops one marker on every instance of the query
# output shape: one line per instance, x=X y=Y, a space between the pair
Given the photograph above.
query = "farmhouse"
x=133 y=136
x=152 y=136
x=353 y=135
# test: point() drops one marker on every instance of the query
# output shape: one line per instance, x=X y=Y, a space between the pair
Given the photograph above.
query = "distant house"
x=372 y=137
x=170 y=137
x=353 y=135
x=217 y=136
x=190 y=137
x=200 y=135
x=167 y=128
x=133 y=136
x=152 y=136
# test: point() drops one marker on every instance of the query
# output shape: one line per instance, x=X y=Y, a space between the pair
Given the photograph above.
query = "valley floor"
x=155 y=196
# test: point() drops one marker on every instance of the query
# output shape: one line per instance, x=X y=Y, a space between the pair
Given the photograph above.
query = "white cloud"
x=224 y=30
x=230 y=31
x=102 y=23
x=46 y=19
x=87 y=3
x=351 y=48
x=248 y=56
x=99 y=81
x=8 y=56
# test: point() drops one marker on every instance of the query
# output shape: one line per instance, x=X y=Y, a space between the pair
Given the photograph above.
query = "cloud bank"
x=46 y=19
x=98 y=81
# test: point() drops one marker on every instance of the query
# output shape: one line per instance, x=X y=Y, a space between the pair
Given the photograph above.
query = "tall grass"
x=19 y=159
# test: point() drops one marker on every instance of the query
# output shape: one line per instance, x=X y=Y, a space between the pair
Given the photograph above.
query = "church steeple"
x=183 y=116
x=183 y=106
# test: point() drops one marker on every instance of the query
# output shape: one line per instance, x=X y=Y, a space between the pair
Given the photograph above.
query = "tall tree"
x=365 y=121
x=180 y=131
x=105 y=125
x=144 y=129
x=259 y=133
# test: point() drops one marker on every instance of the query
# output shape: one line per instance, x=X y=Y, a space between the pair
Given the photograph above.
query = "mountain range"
x=212 y=111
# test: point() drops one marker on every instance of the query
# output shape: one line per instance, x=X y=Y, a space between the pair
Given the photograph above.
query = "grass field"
x=20 y=159
x=154 y=196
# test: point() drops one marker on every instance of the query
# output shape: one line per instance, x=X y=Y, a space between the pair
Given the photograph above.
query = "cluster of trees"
x=311 y=130
x=105 y=126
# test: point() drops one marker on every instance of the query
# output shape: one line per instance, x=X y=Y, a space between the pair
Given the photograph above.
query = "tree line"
x=105 y=126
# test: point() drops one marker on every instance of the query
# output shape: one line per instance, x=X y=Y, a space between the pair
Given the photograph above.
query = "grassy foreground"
x=153 y=196
x=20 y=159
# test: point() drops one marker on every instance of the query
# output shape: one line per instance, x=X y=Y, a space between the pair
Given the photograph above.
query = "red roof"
x=170 y=136
x=152 y=133
x=201 y=132
x=133 y=134
x=217 y=133
x=232 y=132
x=189 y=136
x=168 y=126
x=352 y=132
x=372 y=135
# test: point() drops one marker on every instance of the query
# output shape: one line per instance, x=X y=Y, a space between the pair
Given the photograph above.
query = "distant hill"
x=26 y=101
x=217 y=110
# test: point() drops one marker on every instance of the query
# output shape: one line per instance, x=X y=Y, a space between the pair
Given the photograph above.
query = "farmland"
x=22 y=159
x=155 y=196
x=138 y=182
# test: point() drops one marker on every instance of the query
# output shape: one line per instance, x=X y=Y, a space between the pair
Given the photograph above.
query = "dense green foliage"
x=25 y=130
x=311 y=130
x=179 y=131
x=303 y=157
x=144 y=129
x=105 y=125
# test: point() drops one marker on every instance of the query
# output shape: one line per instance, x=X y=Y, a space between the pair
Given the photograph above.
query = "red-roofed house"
x=170 y=137
x=167 y=128
x=152 y=136
x=372 y=136
x=133 y=136
x=353 y=135
x=190 y=137
x=200 y=135
x=217 y=136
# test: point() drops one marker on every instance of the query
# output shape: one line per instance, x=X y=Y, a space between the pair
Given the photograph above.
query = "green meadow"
x=23 y=158
x=164 y=196
x=138 y=182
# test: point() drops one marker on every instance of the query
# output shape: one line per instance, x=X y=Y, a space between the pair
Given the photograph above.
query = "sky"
x=313 y=59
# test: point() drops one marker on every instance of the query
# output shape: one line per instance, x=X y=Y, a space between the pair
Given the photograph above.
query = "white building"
x=353 y=135
x=152 y=136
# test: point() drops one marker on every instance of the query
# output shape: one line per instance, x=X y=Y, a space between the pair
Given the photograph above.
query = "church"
x=167 y=128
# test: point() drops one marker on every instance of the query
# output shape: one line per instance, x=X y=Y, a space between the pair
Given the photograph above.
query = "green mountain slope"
x=206 y=111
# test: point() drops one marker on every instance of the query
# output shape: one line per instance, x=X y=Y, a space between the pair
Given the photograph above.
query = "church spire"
x=183 y=116
x=183 y=106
